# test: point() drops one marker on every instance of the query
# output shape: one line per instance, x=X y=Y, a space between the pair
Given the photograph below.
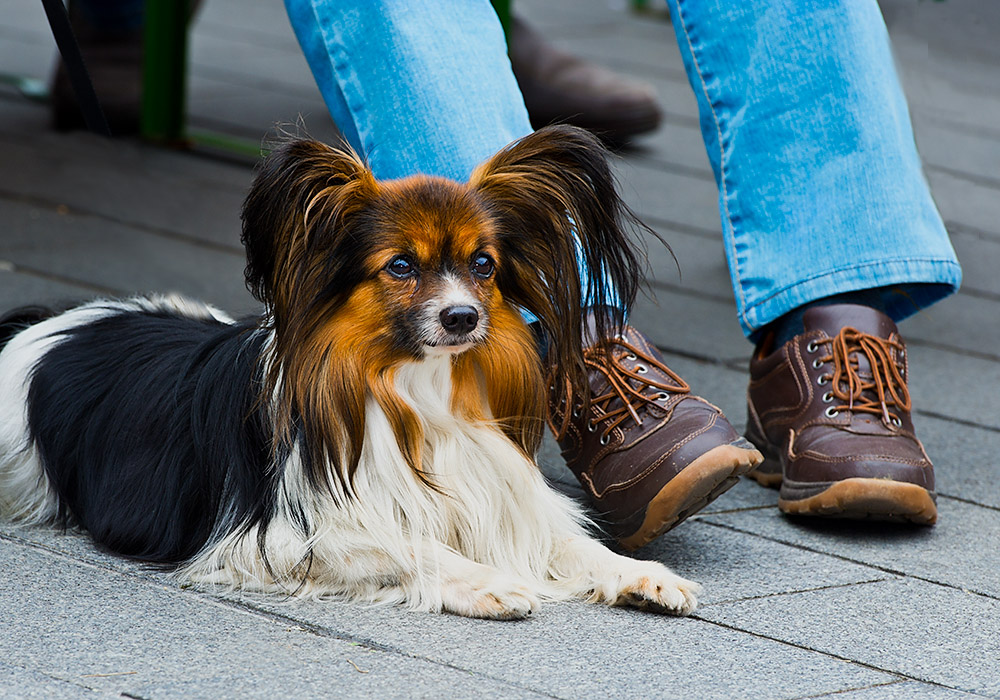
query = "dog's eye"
x=482 y=265
x=401 y=266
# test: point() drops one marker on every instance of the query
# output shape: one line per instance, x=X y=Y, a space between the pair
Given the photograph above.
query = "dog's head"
x=360 y=275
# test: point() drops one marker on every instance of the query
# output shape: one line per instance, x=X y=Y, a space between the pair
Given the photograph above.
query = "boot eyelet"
x=896 y=421
x=605 y=439
x=631 y=356
x=817 y=364
x=828 y=397
x=591 y=428
x=641 y=369
x=812 y=347
x=576 y=413
x=831 y=412
x=662 y=396
x=823 y=379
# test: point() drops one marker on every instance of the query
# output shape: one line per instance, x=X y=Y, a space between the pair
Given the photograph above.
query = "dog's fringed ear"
x=554 y=198
x=300 y=202
x=300 y=224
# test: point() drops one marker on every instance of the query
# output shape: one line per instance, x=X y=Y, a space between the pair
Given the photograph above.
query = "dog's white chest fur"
x=491 y=500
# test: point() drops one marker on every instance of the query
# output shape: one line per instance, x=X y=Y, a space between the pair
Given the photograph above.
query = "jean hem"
x=909 y=285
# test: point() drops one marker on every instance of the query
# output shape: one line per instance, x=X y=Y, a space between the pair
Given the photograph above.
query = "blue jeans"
x=807 y=129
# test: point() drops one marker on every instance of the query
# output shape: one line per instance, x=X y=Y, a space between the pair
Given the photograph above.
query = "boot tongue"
x=833 y=317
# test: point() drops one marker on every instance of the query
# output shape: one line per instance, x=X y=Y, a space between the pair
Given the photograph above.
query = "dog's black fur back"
x=143 y=485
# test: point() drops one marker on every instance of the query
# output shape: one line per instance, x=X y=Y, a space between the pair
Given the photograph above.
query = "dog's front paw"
x=650 y=586
x=495 y=597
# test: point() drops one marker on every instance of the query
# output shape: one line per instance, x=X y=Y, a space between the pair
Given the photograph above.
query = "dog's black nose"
x=459 y=319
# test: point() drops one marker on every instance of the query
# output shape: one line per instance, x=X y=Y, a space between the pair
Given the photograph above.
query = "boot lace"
x=629 y=391
x=885 y=389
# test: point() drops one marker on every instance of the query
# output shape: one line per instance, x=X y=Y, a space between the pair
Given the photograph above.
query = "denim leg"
x=416 y=86
x=820 y=186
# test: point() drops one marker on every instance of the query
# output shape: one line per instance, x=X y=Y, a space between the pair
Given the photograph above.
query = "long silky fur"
x=320 y=449
x=555 y=202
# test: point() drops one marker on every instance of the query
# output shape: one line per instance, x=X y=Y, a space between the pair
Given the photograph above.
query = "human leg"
x=823 y=202
x=808 y=132
x=410 y=84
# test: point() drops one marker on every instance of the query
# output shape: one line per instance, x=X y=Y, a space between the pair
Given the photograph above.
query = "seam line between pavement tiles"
x=7 y=266
x=71 y=681
x=885 y=569
x=248 y=608
x=901 y=675
x=834 y=693
x=828 y=587
x=35 y=200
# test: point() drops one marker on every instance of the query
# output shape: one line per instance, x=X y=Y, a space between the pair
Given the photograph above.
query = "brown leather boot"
x=560 y=87
x=830 y=411
x=648 y=452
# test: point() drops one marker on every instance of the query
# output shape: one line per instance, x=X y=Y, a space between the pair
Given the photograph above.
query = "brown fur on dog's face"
x=432 y=270
x=360 y=276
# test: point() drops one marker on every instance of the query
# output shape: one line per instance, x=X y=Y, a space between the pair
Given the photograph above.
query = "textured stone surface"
x=93 y=628
x=961 y=550
x=577 y=650
x=17 y=683
x=881 y=623
x=109 y=256
x=902 y=690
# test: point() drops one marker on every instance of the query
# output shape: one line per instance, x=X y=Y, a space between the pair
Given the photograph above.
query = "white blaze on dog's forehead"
x=454 y=292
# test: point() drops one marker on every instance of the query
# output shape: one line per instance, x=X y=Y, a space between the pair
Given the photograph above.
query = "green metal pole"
x=164 y=70
x=502 y=8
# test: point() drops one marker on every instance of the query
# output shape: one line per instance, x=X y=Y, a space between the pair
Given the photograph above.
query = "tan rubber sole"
x=697 y=485
x=876 y=499
x=772 y=480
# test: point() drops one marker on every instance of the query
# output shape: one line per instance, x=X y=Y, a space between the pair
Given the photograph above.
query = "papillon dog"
x=372 y=435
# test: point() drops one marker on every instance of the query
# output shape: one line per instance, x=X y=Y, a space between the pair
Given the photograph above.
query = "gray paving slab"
x=650 y=52
x=657 y=655
x=126 y=182
x=17 y=683
x=688 y=324
x=254 y=21
x=730 y=565
x=698 y=263
x=554 y=18
x=112 y=633
x=670 y=197
x=902 y=690
x=966 y=202
x=18 y=288
x=746 y=494
x=579 y=650
x=964 y=151
x=962 y=550
x=965 y=459
x=959 y=386
x=917 y=629
x=125 y=260
x=250 y=112
x=678 y=141
x=736 y=566
x=29 y=49
x=978 y=253
x=962 y=323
